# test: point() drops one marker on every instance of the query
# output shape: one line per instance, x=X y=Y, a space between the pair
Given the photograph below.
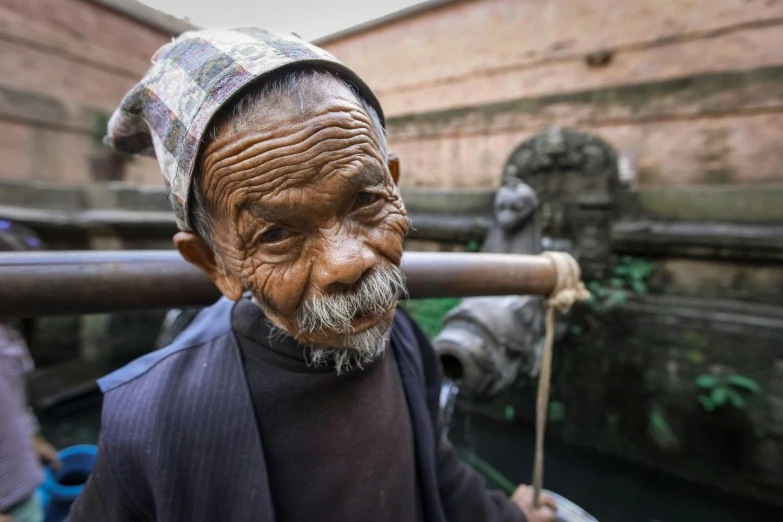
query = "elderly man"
x=303 y=394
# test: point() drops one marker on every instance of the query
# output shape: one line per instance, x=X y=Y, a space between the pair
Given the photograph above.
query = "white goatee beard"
x=376 y=294
x=365 y=347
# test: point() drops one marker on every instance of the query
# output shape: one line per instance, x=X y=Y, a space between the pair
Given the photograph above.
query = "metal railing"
x=36 y=284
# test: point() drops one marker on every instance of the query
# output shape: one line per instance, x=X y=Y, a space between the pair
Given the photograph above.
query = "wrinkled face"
x=304 y=207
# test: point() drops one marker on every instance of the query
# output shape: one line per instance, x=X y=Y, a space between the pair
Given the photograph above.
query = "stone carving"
x=487 y=342
x=560 y=185
x=516 y=221
x=575 y=177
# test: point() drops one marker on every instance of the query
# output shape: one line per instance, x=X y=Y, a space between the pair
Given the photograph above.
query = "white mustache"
x=335 y=312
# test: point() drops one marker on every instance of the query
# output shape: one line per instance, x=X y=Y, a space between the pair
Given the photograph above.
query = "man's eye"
x=273 y=235
x=364 y=199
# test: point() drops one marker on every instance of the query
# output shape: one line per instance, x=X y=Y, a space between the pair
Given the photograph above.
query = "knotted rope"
x=568 y=290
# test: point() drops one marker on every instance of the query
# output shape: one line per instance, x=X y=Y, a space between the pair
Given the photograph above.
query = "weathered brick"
x=476 y=54
x=71 y=63
x=471 y=38
x=89 y=21
x=668 y=153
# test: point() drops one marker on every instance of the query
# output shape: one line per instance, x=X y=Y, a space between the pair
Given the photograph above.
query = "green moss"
x=429 y=313
x=659 y=428
x=557 y=411
x=734 y=390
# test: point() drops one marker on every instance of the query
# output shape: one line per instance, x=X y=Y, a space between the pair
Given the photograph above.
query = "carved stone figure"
x=516 y=221
x=559 y=184
x=575 y=177
x=487 y=342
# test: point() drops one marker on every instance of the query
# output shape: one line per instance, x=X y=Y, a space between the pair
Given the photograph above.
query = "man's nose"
x=343 y=264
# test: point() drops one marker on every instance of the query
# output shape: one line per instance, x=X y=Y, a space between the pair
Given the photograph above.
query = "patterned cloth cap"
x=168 y=113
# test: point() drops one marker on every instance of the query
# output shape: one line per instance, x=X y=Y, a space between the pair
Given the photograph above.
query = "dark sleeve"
x=463 y=490
x=101 y=500
x=464 y=493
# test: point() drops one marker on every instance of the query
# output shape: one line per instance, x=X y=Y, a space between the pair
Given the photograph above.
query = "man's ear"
x=197 y=252
x=394 y=167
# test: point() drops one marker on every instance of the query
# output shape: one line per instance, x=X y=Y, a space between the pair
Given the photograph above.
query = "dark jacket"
x=180 y=443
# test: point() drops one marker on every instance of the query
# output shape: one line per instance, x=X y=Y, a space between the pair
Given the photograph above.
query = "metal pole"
x=68 y=283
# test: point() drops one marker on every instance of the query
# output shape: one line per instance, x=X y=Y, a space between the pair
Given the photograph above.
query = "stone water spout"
x=557 y=194
x=487 y=342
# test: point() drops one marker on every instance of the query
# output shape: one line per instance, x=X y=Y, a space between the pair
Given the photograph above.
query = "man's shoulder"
x=212 y=325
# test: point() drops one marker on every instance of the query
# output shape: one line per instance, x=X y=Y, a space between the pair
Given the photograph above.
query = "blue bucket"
x=61 y=487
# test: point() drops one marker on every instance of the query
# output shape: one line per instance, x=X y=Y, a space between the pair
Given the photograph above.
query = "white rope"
x=568 y=290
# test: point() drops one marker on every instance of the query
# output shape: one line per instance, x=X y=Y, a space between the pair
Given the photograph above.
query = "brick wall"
x=87 y=21
x=68 y=64
x=470 y=58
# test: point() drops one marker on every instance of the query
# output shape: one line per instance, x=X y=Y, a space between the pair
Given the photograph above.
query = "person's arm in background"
x=21 y=449
x=45 y=451
x=15 y=338
x=463 y=490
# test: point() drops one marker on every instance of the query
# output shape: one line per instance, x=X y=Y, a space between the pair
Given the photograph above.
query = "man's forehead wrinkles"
x=334 y=126
x=294 y=129
x=283 y=156
x=262 y=151
x=270 y=175
x=311 y=154
x=279 y=170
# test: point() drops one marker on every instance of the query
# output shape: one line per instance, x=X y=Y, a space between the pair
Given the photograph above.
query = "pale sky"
x=310 y=19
